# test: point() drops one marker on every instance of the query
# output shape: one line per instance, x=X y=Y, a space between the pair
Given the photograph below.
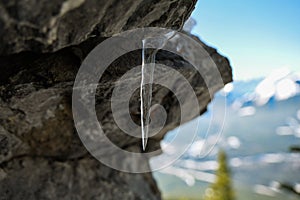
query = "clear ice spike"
x=148 y=65
x=149 y=50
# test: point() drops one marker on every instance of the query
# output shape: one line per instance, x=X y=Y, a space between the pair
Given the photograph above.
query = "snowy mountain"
x=280 y=85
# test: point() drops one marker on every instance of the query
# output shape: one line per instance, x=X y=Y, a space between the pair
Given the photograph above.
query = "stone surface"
x=43 y=26
x=41 y=156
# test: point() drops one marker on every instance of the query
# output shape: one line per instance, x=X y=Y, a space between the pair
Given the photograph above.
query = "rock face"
x=43 y=26
x=41 y=156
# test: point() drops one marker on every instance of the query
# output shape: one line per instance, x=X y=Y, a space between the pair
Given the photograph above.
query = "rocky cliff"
x=43 y=26
x=42 y=46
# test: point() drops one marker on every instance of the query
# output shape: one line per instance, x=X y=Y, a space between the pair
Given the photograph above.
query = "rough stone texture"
x=41 y=156
x=44 y=26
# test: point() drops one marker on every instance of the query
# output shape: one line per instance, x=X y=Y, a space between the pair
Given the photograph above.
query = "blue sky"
x=257 y=36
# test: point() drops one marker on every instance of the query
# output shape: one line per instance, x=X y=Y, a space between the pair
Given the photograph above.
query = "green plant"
x=222 y=188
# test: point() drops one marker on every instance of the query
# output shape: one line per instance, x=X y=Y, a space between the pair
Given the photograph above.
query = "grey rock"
x=43 y=26
x=41 y=156
x=86 y=178
x=42 y=46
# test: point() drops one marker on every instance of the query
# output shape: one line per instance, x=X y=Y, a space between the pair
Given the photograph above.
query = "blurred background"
x=258 y=139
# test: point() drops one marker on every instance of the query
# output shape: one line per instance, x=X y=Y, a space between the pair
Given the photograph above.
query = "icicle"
x=146 y=91
x=148 y=66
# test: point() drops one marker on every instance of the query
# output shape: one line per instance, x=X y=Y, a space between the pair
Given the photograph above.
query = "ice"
x=149 y=50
